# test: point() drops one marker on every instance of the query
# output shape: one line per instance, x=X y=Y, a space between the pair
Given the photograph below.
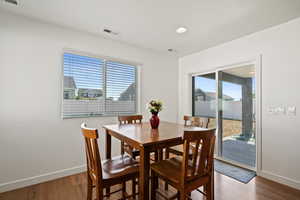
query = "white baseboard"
x=280 y=179
x=4 y=187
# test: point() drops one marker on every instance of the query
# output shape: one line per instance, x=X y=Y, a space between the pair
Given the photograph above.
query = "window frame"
x=105 y=59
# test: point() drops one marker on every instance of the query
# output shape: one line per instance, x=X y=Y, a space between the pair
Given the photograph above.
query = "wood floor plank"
x=74 y=188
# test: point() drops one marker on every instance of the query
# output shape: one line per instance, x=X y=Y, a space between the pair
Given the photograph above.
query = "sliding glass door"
x=204 y=97
x=227 y=97
x=237 y=113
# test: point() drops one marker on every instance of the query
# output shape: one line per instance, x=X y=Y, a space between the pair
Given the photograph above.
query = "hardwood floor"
x=74 y=188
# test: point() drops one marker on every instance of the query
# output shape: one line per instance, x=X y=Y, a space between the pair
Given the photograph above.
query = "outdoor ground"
x=234 y=148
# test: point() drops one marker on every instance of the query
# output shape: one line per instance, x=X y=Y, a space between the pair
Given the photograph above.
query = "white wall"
x=35 y=143
x=280 y=50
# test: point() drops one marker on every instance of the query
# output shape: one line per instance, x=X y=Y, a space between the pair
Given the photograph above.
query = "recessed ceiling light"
x=181 y=30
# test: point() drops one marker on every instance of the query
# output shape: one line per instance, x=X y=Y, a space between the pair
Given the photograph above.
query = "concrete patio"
x=243 y=152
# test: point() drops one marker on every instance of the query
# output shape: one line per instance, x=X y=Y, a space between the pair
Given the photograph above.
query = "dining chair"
x=186 y=174
x=135 y=119
x=189 y=121
x=196 y=121
x=132 y=119
x=110 y=172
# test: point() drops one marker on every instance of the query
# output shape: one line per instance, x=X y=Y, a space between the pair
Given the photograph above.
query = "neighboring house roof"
x=97 y=92
x=211 y=95
x=199 y=92
x=69 y=82
x=129 y=93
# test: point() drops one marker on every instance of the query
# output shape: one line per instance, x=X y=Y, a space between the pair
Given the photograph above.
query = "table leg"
x=156 y=156
x=160 y=154
x=108 y=145
x=144 y=174
x=213 y=181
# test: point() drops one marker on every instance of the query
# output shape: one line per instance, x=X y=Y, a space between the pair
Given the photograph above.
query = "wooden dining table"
x=146 y=140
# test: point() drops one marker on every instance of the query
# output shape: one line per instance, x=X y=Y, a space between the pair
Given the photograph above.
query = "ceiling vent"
x=172 y=50
x=12 y=2
x=109 y=31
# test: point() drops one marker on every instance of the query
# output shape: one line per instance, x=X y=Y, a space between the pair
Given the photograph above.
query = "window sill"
x=95 y=116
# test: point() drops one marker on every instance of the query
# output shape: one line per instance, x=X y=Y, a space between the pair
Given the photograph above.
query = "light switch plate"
x=276 y=110
x=271 y=110
x=280 y=110
x=291 y=110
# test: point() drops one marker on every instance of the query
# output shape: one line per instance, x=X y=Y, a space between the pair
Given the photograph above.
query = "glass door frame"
x=219 y=139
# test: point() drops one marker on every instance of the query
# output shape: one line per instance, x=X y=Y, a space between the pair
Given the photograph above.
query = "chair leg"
x=89 y=188
x=177 y=195
x=156 y=156
x=99 y=193
x=208 y=189
x=133 y=188
x=131 y=152
x=160 y=154
x=153 y=185
x=182 y=195
x=122 y=148
x=124 y=190
x=167 y=153
x=212 y=184
x=108 y=191
x=166 y=185
x=205 y=188
x=167 y=156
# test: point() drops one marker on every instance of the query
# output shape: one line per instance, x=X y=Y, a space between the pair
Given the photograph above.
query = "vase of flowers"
x=154 y=106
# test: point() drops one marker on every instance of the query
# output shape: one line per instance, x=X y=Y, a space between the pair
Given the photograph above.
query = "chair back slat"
x=195 y=156
x=185 y=161
x=211 y=154
x=202 y=158
x=132 y=119
x=93 y=159
x=196 y=121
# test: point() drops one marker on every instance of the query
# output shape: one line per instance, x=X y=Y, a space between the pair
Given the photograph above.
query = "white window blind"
x=97 y=87
x=120 y=87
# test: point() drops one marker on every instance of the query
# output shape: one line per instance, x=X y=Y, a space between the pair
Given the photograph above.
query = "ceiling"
x=247 y=71
x=151 y=24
